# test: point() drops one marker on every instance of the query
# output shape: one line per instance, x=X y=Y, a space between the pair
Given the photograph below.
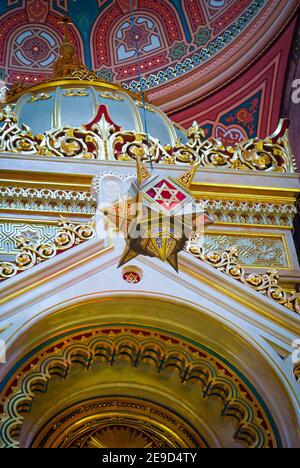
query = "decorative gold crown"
x=68 y=64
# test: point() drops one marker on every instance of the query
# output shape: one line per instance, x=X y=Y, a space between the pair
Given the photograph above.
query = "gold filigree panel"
x=253 y=251
x=32 y=251
x=227 y=263
x=10 y=230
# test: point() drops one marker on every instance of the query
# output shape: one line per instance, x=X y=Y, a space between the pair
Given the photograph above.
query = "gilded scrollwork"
x=128 y=146
x=297 y=372
x=271 y=154
x=110 y=95
x=266 y=284
x=76 y=92
x=75 y=143
x=38 y=97
x=33 y=253
x=8 y=270
x=14 y=139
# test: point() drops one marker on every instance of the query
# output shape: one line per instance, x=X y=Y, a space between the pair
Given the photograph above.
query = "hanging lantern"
x=157 y=216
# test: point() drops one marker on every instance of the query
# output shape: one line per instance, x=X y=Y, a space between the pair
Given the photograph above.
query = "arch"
x=195 y=14
x=17 y=21
x=154 y=53
x=146 y=24
x=139 y=346
x=195 y=332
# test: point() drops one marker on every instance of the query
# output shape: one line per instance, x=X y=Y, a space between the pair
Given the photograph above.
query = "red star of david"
x=166 y=195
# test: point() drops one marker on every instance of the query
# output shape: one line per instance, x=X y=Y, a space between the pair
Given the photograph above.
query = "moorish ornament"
x=157 y=216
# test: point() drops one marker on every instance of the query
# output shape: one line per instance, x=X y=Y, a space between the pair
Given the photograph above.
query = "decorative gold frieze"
x=26 y=199
x=266 y=284
x=73 y=143
x=250 y=213
x=256 y=155
x=269 y=155
x=221 y=207
x=32 y=253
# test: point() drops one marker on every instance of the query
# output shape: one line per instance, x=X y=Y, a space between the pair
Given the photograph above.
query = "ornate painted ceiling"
x=174 y=37
x=214 y=50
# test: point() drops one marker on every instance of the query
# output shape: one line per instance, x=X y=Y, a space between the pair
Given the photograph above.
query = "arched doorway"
x=170 y=358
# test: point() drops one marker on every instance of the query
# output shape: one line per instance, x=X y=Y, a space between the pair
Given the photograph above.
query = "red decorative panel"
x=29 y=42
x=250 y=105
x=194 y=11
x=113 y=43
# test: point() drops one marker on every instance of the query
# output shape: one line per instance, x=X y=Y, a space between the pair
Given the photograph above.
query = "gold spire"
x=187 y=178
x=67 y=61
x=143 y=173
x=66 y=21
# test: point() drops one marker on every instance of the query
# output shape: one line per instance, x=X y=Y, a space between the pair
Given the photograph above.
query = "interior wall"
x=291 y=99
x=250 y=105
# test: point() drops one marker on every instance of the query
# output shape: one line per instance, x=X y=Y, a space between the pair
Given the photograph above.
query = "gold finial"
x=143 y=173
x=67 y=61
x=187 y=178
x=66 y=21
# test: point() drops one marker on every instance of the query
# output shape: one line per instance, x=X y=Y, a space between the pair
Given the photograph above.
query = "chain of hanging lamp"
x=135 y=35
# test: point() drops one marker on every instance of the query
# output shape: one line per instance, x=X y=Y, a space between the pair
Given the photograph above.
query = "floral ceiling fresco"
x=199 y=46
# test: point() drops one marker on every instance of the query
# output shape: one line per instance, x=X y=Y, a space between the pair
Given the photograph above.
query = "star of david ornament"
x=157 y=216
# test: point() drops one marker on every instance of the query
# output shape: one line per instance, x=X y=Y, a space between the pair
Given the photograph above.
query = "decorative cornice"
x=229 y=212
x=47 y=200
x=33 y=254
x=265 y=284
x=223 y=208
x=247 y=213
